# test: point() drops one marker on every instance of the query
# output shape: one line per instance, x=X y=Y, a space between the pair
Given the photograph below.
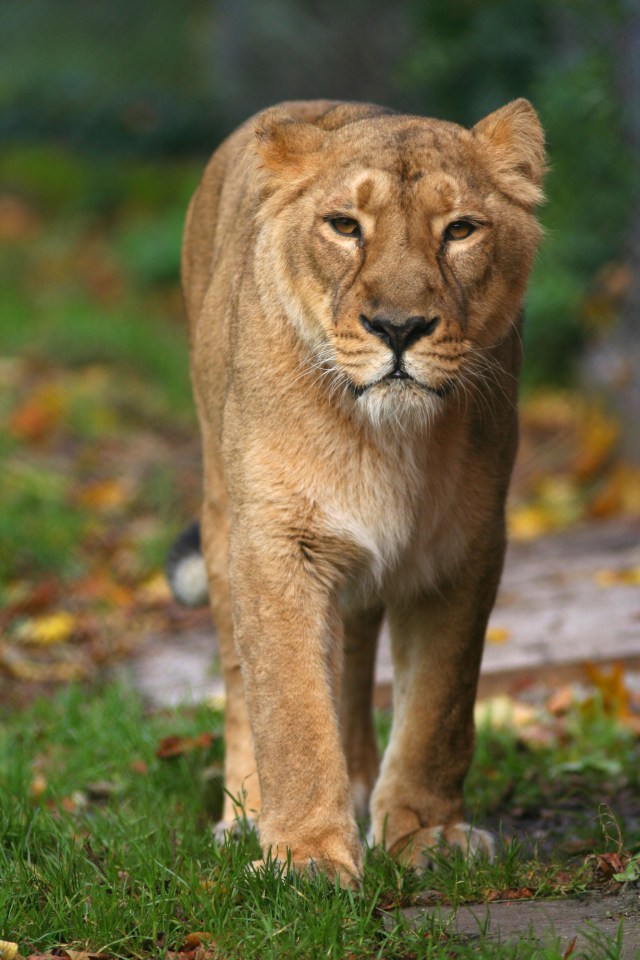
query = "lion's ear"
x=285 y=146
x=514 y=141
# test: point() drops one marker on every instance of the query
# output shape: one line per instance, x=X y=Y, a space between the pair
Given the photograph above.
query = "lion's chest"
x=403 y=515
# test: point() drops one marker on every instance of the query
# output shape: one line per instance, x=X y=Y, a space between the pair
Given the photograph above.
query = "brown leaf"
x=105 y=495
x=612 y=687
x=68 y=954
x=176 y=746
x=39 y=416
x=34 y=600
x=101 y=586
x=513 y=893
x=609 y=863
x=18 y=222
x=570 y=949
x=560 y=700
x=138 y=766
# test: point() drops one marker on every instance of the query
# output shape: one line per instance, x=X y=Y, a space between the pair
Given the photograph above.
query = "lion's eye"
x=459 y=230
x=345 y=226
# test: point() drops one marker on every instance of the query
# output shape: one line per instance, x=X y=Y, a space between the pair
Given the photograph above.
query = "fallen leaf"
x=176 y=746
x=18 y=222
x=68 y=954
x=498 y=635
x=24 y=669
x=504 y=711
x=625 y=577
x=607 y=864
x=39 y=416
x=154 y=590
x=102 y=586
x=570 y=949
x=537 y=735
x=597 y=437
x=612 y=688
x=619 y=494
x=529 y=521
x=195 y=940
x=8 y=950
x=560 y=700
x=47 y=629
x=38 y=785
x=76 y=801
x=106 y=495
x=32 y=599
x=516 y=893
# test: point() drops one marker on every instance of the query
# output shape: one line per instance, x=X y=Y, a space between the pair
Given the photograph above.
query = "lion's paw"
x=422 y=848
x=347 y=874
x=233 y=829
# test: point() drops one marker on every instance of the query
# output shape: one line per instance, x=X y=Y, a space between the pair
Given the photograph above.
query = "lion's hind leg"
x=361 y=631
x=242 y=800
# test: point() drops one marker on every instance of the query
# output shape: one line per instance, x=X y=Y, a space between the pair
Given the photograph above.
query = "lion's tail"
x=185 y=569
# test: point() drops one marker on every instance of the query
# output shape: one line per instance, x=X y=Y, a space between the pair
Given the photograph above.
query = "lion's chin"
x=400 y=402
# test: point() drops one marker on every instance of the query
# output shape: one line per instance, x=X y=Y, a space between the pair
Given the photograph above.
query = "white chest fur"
x=400 y=510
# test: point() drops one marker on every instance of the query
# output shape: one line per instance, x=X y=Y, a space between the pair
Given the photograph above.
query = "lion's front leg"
x=286 y=633
x=437 y=641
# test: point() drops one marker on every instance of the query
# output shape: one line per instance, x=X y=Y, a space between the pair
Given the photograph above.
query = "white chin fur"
x=189 y=581
x=399 y=405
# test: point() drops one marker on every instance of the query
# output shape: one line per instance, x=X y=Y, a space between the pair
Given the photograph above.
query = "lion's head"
x=399 y=246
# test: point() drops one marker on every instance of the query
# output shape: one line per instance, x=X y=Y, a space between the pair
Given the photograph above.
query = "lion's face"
x=401 y=257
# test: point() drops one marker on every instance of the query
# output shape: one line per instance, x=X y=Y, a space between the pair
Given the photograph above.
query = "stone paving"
x=594 y=921
x=565 y=600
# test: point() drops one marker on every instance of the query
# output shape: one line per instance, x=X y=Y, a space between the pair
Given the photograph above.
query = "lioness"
x=354 y=282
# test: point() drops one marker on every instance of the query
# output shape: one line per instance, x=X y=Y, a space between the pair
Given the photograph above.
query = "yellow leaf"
x=154 y=590
x=612 y=687
x=38 y=785
x=598 y=435
x=498 y=635
x=105 y=495
x=49 y=629
x=8 y=950
x=626 y=577
x=529 y=521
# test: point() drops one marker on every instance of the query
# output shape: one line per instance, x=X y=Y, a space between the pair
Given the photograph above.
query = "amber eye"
x=345 y=226
x=459 y=230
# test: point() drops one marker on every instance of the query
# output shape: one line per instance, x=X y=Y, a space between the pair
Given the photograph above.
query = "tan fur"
x=333 y=493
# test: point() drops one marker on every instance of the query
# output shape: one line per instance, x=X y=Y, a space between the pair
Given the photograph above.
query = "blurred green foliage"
x=474 y=55
x=85 y=87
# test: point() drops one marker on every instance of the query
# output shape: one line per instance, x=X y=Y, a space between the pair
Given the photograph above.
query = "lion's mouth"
x=400 y=380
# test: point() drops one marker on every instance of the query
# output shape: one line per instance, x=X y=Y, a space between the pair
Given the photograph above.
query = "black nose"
x=399 y=336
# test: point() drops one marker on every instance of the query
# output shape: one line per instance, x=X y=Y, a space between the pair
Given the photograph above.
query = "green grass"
x=105 y=846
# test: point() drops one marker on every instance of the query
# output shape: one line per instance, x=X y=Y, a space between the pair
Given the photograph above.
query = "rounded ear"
x=513 y=141
x=286 y=145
